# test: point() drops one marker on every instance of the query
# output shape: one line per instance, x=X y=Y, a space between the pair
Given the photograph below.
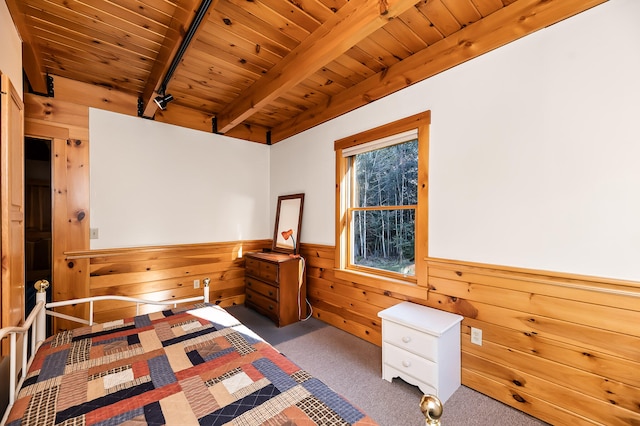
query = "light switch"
x=476 y=336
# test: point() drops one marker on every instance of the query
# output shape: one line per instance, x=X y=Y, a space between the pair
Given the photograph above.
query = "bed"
x=186 y=365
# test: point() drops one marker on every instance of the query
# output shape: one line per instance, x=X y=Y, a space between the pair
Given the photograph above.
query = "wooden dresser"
x=273 y=288
x=421 y=345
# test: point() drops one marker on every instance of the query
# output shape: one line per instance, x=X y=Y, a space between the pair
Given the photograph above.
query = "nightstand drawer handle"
x=406 y=339
x=406 y=364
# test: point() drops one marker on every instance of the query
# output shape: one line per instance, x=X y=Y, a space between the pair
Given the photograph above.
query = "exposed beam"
x=510 y=23
x=31 y=64
x=193 y=119
x=353 y=22
x=91 y=95
x=182 y=19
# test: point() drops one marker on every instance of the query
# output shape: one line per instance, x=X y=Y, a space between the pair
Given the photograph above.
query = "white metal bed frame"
x=36 y=325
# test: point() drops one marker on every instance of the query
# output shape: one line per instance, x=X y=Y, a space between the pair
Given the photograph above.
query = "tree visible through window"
x=382 y=225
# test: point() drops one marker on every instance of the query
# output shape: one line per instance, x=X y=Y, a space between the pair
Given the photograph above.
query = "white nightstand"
x=421 y=345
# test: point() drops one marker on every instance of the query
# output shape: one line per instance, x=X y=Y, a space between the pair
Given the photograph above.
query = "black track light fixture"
x=163 y=99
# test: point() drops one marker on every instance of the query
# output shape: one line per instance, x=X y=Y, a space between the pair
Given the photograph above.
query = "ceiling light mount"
x=163 y=99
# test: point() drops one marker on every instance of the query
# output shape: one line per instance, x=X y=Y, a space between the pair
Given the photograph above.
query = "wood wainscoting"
x=561 y=347
x=165 y=273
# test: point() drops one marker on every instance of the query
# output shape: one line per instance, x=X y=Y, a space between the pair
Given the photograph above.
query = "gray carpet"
x=353 y=368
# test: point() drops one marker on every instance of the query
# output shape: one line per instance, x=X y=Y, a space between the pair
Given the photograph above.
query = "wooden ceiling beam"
x=510 y=23
x=31 y=63
x=349 y=25
x=182 y=19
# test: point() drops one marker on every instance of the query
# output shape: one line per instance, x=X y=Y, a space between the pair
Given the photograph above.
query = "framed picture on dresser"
x=288 y=224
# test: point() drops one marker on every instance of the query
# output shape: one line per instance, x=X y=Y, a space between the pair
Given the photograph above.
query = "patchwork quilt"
x=183 y=366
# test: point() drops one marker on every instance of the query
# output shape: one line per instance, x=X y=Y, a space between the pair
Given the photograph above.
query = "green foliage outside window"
x=383 y=217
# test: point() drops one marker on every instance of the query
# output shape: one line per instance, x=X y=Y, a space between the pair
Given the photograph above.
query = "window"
x=382 y=206
x=381 y=200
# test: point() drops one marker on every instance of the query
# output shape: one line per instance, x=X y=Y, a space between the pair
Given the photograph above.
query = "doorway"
x=38 y=221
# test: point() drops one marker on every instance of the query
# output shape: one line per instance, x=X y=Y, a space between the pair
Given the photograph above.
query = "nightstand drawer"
x=411 y=340
x=408 y=363
x=262 y=288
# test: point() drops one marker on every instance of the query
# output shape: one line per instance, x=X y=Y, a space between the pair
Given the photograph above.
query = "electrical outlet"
x=93 y=233
x=476 y=336
x=196 y=283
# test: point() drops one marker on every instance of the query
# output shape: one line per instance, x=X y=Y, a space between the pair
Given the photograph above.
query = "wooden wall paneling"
x=100 y=256
x=567 y=334
x=165 y=273
x=594 y=361
x=594 y=315
x=67 y=125
x=328 y=305
x=190 y=258
x=616 y=344
x=558 y=346
x=57 y=113
x=157 y=272
x=347 y=305
x=553 y=414
x=70 y=224
x=562 y=318
x=222 y=280
x=590 y=395
x=562 y=286
x=225 y=293
x=114 y=306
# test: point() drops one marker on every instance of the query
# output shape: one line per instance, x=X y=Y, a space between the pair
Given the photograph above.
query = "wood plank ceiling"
x=264 y=70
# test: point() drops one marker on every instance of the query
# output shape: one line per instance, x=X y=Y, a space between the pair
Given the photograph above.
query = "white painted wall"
x=157 y=184
x=533 y=156
x=11 y=51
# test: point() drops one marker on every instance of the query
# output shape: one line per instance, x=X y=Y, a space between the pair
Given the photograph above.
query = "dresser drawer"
x=272 y=286
x=262 y=288
x=252 y=267
x=262 y=304
x=263 y=270
x=411 y=364
x=407 y=338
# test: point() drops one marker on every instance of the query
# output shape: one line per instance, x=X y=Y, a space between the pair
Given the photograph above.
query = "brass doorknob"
x=41 y=286
x=431 y=407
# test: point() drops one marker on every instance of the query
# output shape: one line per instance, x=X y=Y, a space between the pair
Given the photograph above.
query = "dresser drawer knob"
x=271 y=307
x=406 y=339
x=406 y=364
x=270 y=293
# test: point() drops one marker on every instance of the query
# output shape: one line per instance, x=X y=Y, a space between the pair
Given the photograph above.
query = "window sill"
x=374 y=280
